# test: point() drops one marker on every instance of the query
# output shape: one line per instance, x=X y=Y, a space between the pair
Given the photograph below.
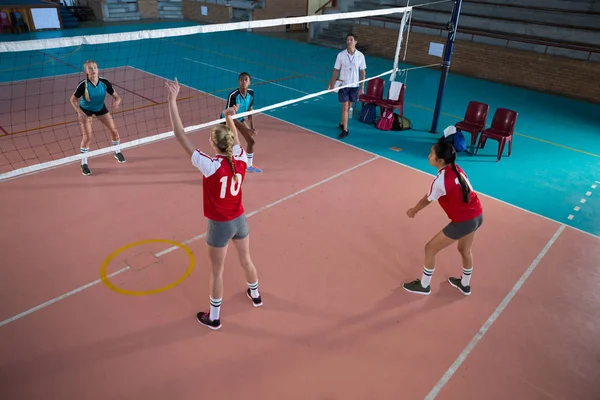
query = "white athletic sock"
x=215 y=308
x=84 y=150
x=250 y=159
x=118 y=144
x=253 y=289
x=466 y=276
x=426 y=278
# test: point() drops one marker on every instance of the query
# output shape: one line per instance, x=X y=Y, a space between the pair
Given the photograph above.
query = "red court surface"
x=332 y=245
x=39 y=123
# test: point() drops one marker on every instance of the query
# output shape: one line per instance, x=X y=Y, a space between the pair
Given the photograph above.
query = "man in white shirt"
x=349 y=64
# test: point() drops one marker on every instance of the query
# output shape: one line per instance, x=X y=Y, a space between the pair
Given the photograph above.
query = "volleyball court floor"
x=102 y=277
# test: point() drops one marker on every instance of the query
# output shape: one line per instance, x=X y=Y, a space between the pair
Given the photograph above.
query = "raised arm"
x=230 y=123
x=173 y=91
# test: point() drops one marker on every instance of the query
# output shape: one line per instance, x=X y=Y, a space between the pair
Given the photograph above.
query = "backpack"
x=457 y=140
x=460 y=144
x=386 y=121
x=367 y=114
x=401 y=123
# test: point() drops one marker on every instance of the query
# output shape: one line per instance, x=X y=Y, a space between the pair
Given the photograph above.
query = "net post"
x=448 y=50
x=399 y=42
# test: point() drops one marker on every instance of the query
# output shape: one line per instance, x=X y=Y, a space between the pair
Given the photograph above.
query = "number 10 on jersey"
x=234 y=187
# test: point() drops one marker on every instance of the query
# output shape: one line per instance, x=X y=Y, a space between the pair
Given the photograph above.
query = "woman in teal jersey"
x=88 y=100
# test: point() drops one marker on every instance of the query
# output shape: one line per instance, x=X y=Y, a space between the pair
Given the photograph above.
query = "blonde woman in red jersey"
x=222 y=195
x=452 y=189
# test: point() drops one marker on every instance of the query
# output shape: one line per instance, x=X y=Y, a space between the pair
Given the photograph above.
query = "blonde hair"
x=87 y=94
x=222 y=137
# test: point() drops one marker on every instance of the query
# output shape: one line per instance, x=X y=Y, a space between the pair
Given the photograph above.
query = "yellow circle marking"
x=111 y=286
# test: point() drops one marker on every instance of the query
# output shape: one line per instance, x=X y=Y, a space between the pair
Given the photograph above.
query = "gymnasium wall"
x=547 y=73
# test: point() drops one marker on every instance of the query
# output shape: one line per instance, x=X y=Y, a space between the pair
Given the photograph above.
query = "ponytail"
x=222 y=137
x=466 y=191
x=446 y=152
x=229 y=152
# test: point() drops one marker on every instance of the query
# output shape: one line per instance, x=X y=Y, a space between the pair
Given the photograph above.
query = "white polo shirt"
x=349 y=66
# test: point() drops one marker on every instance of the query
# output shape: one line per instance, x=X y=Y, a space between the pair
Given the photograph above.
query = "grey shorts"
x=221 y=232
x=458 y=230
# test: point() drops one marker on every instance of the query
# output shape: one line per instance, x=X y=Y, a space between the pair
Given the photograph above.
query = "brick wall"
x=220 y=14
x=280 y=9
x=148 y=8
x=547 y=73
x=217 y=13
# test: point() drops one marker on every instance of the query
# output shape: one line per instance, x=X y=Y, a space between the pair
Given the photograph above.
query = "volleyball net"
x=40 y=126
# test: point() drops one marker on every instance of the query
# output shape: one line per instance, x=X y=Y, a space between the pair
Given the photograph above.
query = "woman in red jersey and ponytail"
x=452 y=189
x=223 y=175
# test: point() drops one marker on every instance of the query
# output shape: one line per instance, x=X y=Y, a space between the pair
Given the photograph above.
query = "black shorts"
x=89 y=113
x=458 y=230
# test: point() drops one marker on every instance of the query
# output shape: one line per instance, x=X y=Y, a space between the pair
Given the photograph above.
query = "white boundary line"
x=64 y=296
x=162 y=253
x=486 y=326
x=170 y=249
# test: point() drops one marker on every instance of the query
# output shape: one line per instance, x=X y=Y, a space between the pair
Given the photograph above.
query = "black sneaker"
x=120 y=158
x=457 y=283
x=256 y=302
x=204 y=319
x=416 y=287
x=343 y=134
x=85 y=170
x=341 y=126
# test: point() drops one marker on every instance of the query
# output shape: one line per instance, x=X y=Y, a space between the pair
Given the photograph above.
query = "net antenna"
x=38 y=125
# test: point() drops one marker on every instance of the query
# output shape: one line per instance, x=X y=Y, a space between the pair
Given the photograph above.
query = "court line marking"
x=61 y=297
x=162 y=253
x=432 y=175
x=236 y=72
x=263 y=208
x=486 y=326
x=105 y=279
x=583 y=200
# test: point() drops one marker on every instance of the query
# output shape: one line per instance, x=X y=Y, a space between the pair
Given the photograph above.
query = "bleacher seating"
x=559 y=27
